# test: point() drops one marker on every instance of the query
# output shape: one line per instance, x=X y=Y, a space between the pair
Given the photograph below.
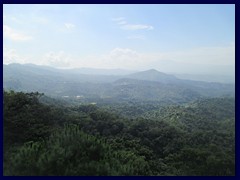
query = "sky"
x=189 y=39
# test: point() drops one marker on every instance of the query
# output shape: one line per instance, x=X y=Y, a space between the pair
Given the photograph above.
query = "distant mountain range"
x=113 y=85
x=153 y=75
x=207 y=77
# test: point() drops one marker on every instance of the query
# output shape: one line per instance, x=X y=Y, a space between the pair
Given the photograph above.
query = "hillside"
x=42 y=139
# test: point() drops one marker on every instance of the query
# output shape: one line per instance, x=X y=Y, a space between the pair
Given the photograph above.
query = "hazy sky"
x=171 y=38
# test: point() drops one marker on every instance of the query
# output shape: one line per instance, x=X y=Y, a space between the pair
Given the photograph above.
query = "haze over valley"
x=149 y=85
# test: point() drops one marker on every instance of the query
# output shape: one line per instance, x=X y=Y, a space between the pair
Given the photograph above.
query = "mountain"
x=153 y=75
x=45 y=73
x=150 y=85
x=207 y=77
x=90 y=71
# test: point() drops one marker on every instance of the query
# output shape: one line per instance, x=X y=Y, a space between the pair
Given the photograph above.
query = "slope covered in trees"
x=44 y=139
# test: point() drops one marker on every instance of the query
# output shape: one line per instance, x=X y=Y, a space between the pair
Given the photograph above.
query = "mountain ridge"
x=149 y=85
x=153 y=75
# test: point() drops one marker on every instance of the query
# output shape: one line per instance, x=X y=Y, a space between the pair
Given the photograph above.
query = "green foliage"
x=25 y=119
x=55 y=139
x=72 y=152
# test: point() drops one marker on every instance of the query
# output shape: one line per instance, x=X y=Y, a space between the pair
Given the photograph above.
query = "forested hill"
x=44 y=139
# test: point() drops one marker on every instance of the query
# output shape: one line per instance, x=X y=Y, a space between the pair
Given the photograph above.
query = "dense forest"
x=45 y=136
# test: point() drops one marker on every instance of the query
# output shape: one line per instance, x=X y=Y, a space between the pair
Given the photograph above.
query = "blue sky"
x=171 y=38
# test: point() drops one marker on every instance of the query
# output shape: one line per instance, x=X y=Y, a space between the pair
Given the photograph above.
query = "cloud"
x=132 y=27
x=123 y=54
x=122 y=57
x=202 y=60
x=57 y=59
x=11 y=56
x=205 y=55
x=13 y=35
x=116 y=58
x=69 y=26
